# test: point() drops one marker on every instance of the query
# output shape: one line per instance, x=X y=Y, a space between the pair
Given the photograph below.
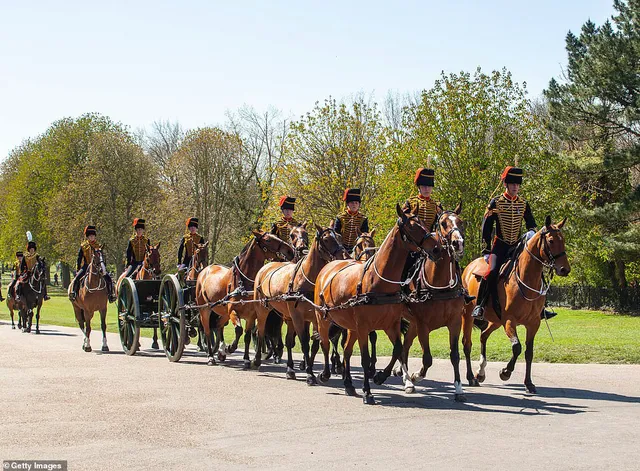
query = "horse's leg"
x=222 y=346
x=323 y=331
x=528 y=355
x=262 y=314
x=302 y=329
x=315 y=343
x=154 y=344
x=87 y=330
x=335 y=332
x=238 y=331
x=205 y=319
x=248 y=329
x=348 y=351
x=395 y=338
x=201 y=339
x=290 y=342
x=516 y=349
x=365 y=362
x=13 y=325
x=80 y=318
x=103 y=326
x=409 y=337
x=484 y=336
x=454 y=355
x=467 y=328
x=427 y=360
x=373 y=338
x=39 y=306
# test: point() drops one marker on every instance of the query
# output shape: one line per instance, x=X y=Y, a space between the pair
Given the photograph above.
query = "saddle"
x=482 y=269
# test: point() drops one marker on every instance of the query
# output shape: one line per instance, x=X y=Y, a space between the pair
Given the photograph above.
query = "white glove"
x=486 y=257
x=530 y=234
x=181 y=267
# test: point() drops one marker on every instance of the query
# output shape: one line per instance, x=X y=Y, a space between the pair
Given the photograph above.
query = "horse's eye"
x=444 y=224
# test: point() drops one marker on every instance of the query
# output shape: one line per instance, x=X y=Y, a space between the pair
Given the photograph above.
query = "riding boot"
x=495 y=298
x=112 y=296
x=483 y=294
x=46 y=295
x=547 y=313
x=74 y=289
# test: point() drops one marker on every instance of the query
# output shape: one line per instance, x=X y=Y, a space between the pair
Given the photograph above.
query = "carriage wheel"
x=128 y=312
x=172 y=318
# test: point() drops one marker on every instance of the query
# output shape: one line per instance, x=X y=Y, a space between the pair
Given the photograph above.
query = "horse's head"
x=97 y=261
x=273 y=247
x=152 y=257
x=551 y=247
x=450 y=230
x=416 y=236
x=200 y=255
x=364 y=247
x=329 y=244
x=299 y=238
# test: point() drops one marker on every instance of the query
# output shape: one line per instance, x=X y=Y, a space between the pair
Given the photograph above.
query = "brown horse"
x=150 y=270
x=11 y=305
x=299 y=240
x=92 y=296
x=440 y=297
x=31 y=286
x=217 y=283
x=521 y=296
x=284 y=287
x=363 y=297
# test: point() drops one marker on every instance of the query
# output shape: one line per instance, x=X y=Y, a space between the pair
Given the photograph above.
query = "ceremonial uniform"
x=85 y=254
x=137 y=248
x=188 y=243
x=14 y=274
x=28 y=263
x=282 y=227
x=351 y=224
x=501 y=230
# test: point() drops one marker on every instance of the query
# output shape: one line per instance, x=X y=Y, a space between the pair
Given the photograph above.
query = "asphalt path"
x=107 y=411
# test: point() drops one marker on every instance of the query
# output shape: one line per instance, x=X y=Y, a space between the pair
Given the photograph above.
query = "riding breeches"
x=131 y=268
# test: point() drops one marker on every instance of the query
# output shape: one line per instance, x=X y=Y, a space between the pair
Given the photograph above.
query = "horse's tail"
x=404 y=326
x=334 y=331
x=273 y=325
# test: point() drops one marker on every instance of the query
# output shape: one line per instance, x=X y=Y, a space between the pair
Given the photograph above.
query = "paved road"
x=109 y=411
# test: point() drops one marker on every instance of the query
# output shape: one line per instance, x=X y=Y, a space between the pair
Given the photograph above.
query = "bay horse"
x=299 y=240
x=11 y=305
x=283 y=286
x=150 y=270
x=217 y=283
x=439 y=301
x=521 y=297
x=32 y=286
x=366 y=296
x=92 y=296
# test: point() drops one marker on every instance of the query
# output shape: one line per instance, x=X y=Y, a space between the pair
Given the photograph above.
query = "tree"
x=595 y=110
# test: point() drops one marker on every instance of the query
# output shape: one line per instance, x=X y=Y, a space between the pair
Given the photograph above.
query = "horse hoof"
x=505 y=375
x=372 y=372
x=473 y=382
x=368 y=399
x=200 y=348
x=37 y=331
x=311 y=380
x=255 y=366
x=324 y=378
x=87 y=349
x=460 y=398
x=222 y=356
x=339 y=369
x=277 y=360
x=531 y=388
x=291 y=374
x=211 y=362
x=480 y=378
x=302 y=366
x=246 y=365
x=105 y=349
x=155 y=346
x=350 y=391
x=13 y=327
x=410 y=389
x=379 y=378
x=397 y=372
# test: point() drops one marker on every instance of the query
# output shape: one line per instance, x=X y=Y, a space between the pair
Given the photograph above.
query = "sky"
x=191 y=61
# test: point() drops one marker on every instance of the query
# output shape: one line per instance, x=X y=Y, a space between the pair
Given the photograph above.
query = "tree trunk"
x=65 y=274
x=620 y=274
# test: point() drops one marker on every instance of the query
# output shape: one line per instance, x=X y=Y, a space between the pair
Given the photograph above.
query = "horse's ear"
x=318 y=228
x=304 y=225
x=547 y=221
x=258 y=234
x=372 y=233
x=401 y=213
x=358 y=232
x=561 y=225
x=458 y=209
x=158 y=246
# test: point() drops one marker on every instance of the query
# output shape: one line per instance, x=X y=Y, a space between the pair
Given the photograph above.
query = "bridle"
x=300 y=251
x=326 y=254
x=360 y=244
x=95 y=270
x=407 y=237
x=551 y=257
x=445 y=240
x=278 y=252
x=147 y=265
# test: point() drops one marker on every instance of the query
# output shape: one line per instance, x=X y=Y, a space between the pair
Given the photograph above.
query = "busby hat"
x=287 y=202
x=90 y=230
x=424 y=176
x=512 y=175
x=351 y=194
x=31 y=244
x=192 y=222
x=19 y=253
x=138 y=223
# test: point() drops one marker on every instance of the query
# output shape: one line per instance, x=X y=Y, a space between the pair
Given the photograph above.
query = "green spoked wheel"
x=128 y=314
x=172 y=318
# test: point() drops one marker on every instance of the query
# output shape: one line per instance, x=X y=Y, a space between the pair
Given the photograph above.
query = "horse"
x=363 y=250
x=299 y=240
x=92 y=296
x=367 y=296
x=217 y=285
x=31 y=285
x=520 y=300
x=150 y=270
x=11 y=305
x=286 y=287
x=439 y=301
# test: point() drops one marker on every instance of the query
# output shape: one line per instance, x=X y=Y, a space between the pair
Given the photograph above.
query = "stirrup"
x=478 y=313
x=547 y=314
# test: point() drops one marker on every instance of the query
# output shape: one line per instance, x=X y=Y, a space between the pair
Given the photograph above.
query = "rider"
x=15 y=273
x=188 y=243
x=281 y=227
x=29 y=261
x=138 y=246
x=350 y=223
x=422 y=205
x=506 y=212
x=84 y=258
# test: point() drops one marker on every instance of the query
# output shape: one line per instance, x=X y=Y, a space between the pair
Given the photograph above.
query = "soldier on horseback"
x=14 y=274
x=189 y=242
x=84 y=258
x=28 y=263
x=350 y=223
x=281 y=228
x=422 y=205
x=506 y=213
x=137 y=248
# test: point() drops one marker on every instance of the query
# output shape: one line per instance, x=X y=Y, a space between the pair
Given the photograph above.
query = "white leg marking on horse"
x=223 y=347
x=104 y=341
x=483 y=364
x=458 y=386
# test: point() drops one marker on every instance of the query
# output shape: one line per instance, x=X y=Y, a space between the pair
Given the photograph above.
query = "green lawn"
x=580 y=336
